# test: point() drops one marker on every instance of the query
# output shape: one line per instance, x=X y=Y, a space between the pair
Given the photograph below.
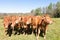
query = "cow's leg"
x=37 y=35
x=16 y=30
x=6 y=31
x=38 y=32
x=45 y=33
x=10 y=32
x=34 y=30
x=24 y=29
x=12 y=27
x=19 y=31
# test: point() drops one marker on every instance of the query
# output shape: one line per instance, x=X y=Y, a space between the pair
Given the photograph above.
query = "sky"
x=16 y=6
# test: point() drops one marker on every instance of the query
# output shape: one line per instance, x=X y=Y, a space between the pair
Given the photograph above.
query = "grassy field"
x=53 y=32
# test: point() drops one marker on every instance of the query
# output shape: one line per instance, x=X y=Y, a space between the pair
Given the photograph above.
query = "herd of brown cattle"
x=27 y=24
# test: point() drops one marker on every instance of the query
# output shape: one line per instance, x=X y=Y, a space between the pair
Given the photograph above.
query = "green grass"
x=53 y=32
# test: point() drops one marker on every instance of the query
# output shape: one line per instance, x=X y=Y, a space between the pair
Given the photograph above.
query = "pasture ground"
x=53 y=32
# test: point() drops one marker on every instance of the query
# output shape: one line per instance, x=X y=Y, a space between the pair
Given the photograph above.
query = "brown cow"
x=24 y=22
x=15 y=24
x=35 y=22
x=40 y=24
x=13 y=19
x=45 y=22
x=7 y=23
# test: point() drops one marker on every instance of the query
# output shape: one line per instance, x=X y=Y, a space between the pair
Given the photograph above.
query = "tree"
x=57 y=10
x=33 y=12
x=52 y=9
x=38 y=11
x=44 y=10
x=49 y=9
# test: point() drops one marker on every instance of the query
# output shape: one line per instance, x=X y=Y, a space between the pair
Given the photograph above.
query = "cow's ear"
x=43 y=17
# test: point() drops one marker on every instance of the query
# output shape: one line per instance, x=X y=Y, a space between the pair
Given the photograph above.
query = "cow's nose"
x=12 y=25
x=6 y=27
x=16 y=21
x=51 y=22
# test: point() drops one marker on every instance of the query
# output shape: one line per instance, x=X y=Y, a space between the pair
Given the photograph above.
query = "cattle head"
x=28 y=21
x=7 y=26
x=47 y=19
x=18 y=20
x=15 y=22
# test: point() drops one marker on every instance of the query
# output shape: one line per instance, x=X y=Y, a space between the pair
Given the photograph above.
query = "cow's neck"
x=44 y=24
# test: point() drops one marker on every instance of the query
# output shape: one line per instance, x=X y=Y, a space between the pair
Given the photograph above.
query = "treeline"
x=52 y=9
